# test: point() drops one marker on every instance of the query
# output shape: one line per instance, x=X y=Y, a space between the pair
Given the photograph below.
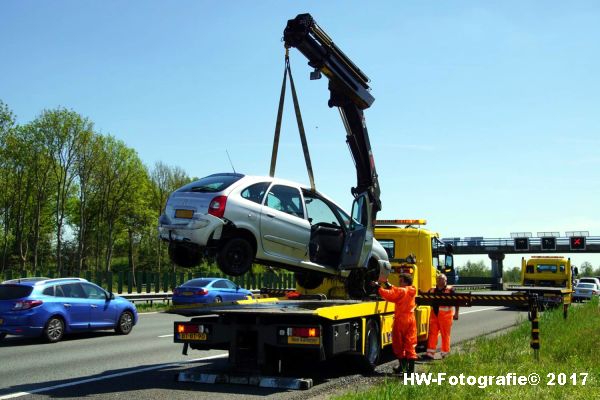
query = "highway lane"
x=143 y=364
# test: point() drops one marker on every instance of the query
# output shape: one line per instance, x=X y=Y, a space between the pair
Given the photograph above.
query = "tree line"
x=74 y=200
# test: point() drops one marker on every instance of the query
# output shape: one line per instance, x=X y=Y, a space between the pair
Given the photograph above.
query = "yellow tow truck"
x=549 y=271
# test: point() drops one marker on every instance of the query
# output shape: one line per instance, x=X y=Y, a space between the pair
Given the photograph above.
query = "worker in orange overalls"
x=440 y=320
x=404 y=330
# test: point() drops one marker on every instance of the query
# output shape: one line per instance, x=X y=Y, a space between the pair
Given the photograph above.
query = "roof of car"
x=35 y=281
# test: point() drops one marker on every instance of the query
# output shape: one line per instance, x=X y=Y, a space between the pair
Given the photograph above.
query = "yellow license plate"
x=184 y=214
x=187 y=293
x=303 y=340
x=1 y=321
x=192 y=336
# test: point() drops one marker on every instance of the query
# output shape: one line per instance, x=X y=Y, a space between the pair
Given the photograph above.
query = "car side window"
x=59 y=292
x=230 y=285
x=318 y=211
x=49 y=291
x=286 y=199
x=93 y=292
x=255 y=192
x=220 y=285
x=73 y=290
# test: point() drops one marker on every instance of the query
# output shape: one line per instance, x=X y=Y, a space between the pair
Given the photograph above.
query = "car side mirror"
x=110 y=296
x=237 y=287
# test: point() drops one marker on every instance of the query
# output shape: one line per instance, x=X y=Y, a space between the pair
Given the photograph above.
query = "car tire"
x=309 y=280
x=218 y=299
x=372 y=345
x=54 y=330
x=185 y=255
x=235 y=257
x=125 y=323
x=2 y=335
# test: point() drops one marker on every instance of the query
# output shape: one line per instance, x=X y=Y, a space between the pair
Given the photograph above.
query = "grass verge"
x=569 y=351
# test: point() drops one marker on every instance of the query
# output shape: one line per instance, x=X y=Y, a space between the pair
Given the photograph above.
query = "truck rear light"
x=217 y=206
x=304 y=332
x=26 y=304
x=186 y=328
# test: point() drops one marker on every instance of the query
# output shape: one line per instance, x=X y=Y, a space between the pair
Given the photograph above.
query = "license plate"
x=192 y=336
x=1 y=321
x=187 y=293
x=188 y=214
x=303 y=340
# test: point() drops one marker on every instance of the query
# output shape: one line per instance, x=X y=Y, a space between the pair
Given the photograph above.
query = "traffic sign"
x=522 y=244
x=548 y=243
x=577 y=242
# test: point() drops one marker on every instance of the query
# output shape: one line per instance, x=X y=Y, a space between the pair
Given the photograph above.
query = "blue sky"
x=485 y=119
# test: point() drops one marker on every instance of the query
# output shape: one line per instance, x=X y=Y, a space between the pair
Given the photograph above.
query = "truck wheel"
x=372 y=344
x=185 y=255
x=235 y=257
x=309 y=280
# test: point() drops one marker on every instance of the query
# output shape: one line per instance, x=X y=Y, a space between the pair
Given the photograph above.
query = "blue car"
x=208 y=290
x=52 y=307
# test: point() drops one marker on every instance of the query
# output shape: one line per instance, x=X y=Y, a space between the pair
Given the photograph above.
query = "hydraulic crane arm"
x=349 y=91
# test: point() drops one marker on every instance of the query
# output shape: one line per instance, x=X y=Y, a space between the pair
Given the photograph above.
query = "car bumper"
x=198 y=230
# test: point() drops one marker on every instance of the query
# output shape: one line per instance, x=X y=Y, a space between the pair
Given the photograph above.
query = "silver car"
x=585 y=291
x=240 y=219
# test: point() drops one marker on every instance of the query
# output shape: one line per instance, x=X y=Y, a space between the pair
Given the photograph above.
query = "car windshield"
x=212 y=183
x=10 y=292
x=585 y=286
x=198 y=282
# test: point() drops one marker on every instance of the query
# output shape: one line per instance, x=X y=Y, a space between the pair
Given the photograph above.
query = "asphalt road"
x=142 y=365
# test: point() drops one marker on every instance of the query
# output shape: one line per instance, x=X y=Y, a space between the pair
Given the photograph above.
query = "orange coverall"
x=404 y=330
x=440 y=324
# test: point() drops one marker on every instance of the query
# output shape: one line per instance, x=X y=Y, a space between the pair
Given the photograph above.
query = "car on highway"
x=239 y=219
x=588 y=279
x=51 y=308
x=209 y=290
x=585 y=291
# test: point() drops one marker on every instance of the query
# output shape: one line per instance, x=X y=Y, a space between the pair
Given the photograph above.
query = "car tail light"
x=217 y=206
x=202 y=292
x=175 y=292
x=26 y=304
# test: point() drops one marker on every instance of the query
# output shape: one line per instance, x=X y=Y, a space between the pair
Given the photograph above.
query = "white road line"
x=472 y=311
x=166 y=335
x=64 y=385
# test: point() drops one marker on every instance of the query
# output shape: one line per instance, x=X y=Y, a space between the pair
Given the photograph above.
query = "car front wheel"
x=54 y=330
x=235 y=257
x=125 y=323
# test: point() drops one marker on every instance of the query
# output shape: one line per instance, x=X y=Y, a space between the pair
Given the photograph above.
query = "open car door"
x=359 y=240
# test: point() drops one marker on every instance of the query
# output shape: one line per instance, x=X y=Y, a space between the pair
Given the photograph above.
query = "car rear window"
x=10 y=292
x=198 y=282
x=212 y=183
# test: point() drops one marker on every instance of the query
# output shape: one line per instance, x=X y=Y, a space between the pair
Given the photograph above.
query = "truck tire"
x=235 y=257
x=372 y=344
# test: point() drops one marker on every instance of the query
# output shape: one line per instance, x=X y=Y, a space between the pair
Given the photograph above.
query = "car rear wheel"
x=235 y=257
x=125 y=323
x=2 y=335
x=54 y=330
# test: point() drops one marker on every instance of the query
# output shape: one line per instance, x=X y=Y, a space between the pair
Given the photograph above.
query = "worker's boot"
x=410 y=368
x=401 y=366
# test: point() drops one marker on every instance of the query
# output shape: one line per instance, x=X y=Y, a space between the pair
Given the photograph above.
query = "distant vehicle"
x=208 y=290
x=50 y=308
x=240 y=219
x=588 y=279
x=585 y=291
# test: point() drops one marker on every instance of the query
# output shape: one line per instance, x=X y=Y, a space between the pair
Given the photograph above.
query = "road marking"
x=166 y=335
x=101 y=378
x=472 y=311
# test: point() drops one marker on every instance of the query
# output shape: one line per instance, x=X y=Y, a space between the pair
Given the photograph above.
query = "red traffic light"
x=577 y=242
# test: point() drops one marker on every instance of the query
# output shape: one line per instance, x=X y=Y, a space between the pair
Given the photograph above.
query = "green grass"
x=569 y=346
x=156 y=306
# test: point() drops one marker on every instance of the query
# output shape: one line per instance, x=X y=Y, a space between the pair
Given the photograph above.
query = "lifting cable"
x=288 y=71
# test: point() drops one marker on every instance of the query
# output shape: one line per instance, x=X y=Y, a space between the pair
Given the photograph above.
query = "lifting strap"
x=288 y=71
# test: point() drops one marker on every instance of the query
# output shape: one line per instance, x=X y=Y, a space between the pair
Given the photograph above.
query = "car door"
x=284 y=231
x=102 y=312
x=221 y=290
x=359 y=240
x=75 y=303
x=235 y=294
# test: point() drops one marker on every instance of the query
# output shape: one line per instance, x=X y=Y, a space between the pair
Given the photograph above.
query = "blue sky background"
x=485 y=120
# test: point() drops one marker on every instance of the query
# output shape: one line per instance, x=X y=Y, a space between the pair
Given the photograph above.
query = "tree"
x=7 y=124
x=586 y=269
x=474 y=269
x=62 y=130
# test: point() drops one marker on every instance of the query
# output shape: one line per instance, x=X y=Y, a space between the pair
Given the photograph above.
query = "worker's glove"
x=374 y=284
x=387 y=285
x=455 y=317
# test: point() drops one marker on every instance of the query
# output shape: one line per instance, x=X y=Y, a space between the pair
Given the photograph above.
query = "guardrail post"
x=173 y=280
x=130 y=282
x=109 y=281
x=138 y=282
x=156 y=279
x=120 y=279
x=165 y=281
x=88 y=276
